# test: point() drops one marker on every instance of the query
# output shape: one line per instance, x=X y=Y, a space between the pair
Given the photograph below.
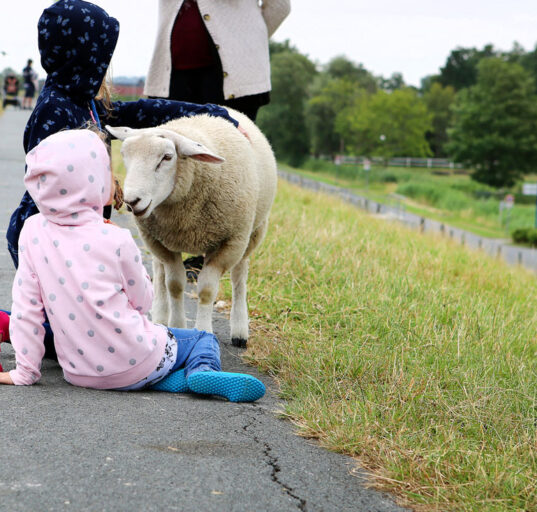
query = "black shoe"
x=193 y=266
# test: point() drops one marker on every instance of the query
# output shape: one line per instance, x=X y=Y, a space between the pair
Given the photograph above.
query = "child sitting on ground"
x=88 y=276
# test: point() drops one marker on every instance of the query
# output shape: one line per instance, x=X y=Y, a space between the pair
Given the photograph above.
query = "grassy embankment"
x=413 y=354
x=452 y=198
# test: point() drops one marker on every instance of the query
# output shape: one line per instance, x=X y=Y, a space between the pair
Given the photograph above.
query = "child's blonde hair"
x=105 y=91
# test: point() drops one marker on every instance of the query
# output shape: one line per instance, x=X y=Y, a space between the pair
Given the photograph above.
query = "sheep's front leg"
x=208 y=281
x=239 y=307
x=159 y=310
x=216 y=263
x=175 y=279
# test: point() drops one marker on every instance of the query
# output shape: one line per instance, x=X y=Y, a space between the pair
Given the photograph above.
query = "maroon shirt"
x=191 y=44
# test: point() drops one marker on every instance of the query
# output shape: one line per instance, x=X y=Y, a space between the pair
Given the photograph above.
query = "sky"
x=413 y=37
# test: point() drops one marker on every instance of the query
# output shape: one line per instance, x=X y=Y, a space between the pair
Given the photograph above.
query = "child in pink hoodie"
x=88 y=276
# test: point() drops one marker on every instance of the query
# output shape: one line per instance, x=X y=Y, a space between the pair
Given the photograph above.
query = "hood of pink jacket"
x=69 y=177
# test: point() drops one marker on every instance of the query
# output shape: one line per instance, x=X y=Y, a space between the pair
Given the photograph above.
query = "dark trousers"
x=205 y=85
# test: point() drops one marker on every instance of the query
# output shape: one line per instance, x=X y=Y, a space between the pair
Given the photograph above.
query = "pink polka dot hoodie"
x=87 y=275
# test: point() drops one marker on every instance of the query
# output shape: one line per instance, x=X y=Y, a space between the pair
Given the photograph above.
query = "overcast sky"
x=413 y=37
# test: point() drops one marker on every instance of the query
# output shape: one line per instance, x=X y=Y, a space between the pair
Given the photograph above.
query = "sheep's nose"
x=132 y=204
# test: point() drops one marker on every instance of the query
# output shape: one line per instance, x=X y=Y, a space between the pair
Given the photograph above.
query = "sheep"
x=198 y=185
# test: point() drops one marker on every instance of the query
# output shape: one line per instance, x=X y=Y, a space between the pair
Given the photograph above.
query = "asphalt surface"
x=67 y=448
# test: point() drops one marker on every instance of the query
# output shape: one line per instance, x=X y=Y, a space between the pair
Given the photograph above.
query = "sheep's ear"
x=192 y=149
x=122 y=132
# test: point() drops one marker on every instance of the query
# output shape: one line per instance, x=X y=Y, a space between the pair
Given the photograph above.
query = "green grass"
x=454 y=199
x=413 y=354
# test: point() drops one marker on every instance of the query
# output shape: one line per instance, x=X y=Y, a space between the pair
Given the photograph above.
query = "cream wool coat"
x=240 y=30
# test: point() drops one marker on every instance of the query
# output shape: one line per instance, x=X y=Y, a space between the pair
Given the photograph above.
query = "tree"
x=283 y=120
x=428 y=81
x=341 y=68
x=387 y=124
x=439 y=100
x=528 y=61
x=495 y=124
x=393 y=83
x=277 y=47
x=460 y=70
x=329 y=98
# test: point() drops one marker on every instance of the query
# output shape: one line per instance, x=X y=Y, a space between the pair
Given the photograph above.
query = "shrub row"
x=525 y=236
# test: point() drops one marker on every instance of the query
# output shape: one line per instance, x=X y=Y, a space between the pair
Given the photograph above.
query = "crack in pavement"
x=272 y=462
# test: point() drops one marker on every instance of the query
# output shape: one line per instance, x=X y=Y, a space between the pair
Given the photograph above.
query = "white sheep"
x=197 y=185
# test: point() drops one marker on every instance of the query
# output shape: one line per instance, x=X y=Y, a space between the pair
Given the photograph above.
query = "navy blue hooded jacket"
x=76 y=43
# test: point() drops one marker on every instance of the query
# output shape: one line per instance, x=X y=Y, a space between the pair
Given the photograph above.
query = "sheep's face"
x=150 y=162
x=150 y=157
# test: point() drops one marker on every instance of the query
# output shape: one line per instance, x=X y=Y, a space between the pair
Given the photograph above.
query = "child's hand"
x=5 y=378
x=244 y=132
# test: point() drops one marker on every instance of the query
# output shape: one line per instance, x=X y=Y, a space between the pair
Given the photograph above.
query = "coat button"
x=217 y=46
x=206 y=17
x=231 y=97
x=224 y=74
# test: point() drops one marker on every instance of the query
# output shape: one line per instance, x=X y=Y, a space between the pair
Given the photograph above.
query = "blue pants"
x=196 y=350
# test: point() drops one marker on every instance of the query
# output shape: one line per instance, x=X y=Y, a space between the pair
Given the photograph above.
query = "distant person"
x=88 y=275
x=214 y=51
x=209 y=51
x=11 y=91
x=76 y=43
x=29 y=77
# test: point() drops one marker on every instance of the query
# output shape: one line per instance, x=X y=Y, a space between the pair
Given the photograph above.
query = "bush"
x=525 y=236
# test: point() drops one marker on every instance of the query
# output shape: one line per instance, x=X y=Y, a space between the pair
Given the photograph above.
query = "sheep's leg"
x=239 y=307
x=216 y=263
x=239 y=279
x=175 y=287
x=159 y=311
x=208 y=281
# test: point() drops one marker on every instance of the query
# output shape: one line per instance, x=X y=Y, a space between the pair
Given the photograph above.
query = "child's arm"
x=5 y=378
x=26 y=322
x=136 y=282
x=146 y=113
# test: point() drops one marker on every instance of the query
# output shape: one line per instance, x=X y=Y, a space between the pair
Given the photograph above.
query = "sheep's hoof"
x=239 y=342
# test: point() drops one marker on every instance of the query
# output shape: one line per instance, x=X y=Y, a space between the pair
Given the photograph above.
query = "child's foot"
x=4 y=326
x=173 y=383
x=236 y=387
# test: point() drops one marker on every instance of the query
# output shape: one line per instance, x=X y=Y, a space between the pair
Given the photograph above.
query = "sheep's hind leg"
x=239 y=279
x=159 y=311
x=239 y=307
x=175 y=286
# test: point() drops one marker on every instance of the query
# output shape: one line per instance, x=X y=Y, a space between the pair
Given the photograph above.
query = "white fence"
x=430 y=163
x=497 y=248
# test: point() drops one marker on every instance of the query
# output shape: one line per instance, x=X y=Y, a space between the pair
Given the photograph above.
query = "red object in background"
x=4 y=329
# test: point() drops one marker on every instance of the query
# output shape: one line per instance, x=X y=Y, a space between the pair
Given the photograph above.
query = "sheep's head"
x=150 y=156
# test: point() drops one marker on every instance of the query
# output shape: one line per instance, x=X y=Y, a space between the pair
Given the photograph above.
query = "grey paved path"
x=66 y=448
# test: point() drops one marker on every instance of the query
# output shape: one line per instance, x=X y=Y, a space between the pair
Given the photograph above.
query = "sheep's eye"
x=165 y=158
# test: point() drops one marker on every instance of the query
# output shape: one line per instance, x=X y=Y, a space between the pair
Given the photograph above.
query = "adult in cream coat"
x=231 y=39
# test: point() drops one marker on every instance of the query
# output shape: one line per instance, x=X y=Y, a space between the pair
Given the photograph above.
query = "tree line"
x=480 y=110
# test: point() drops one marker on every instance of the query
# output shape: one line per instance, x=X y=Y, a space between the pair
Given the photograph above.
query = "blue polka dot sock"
x=173 y=383
x=236 y=387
